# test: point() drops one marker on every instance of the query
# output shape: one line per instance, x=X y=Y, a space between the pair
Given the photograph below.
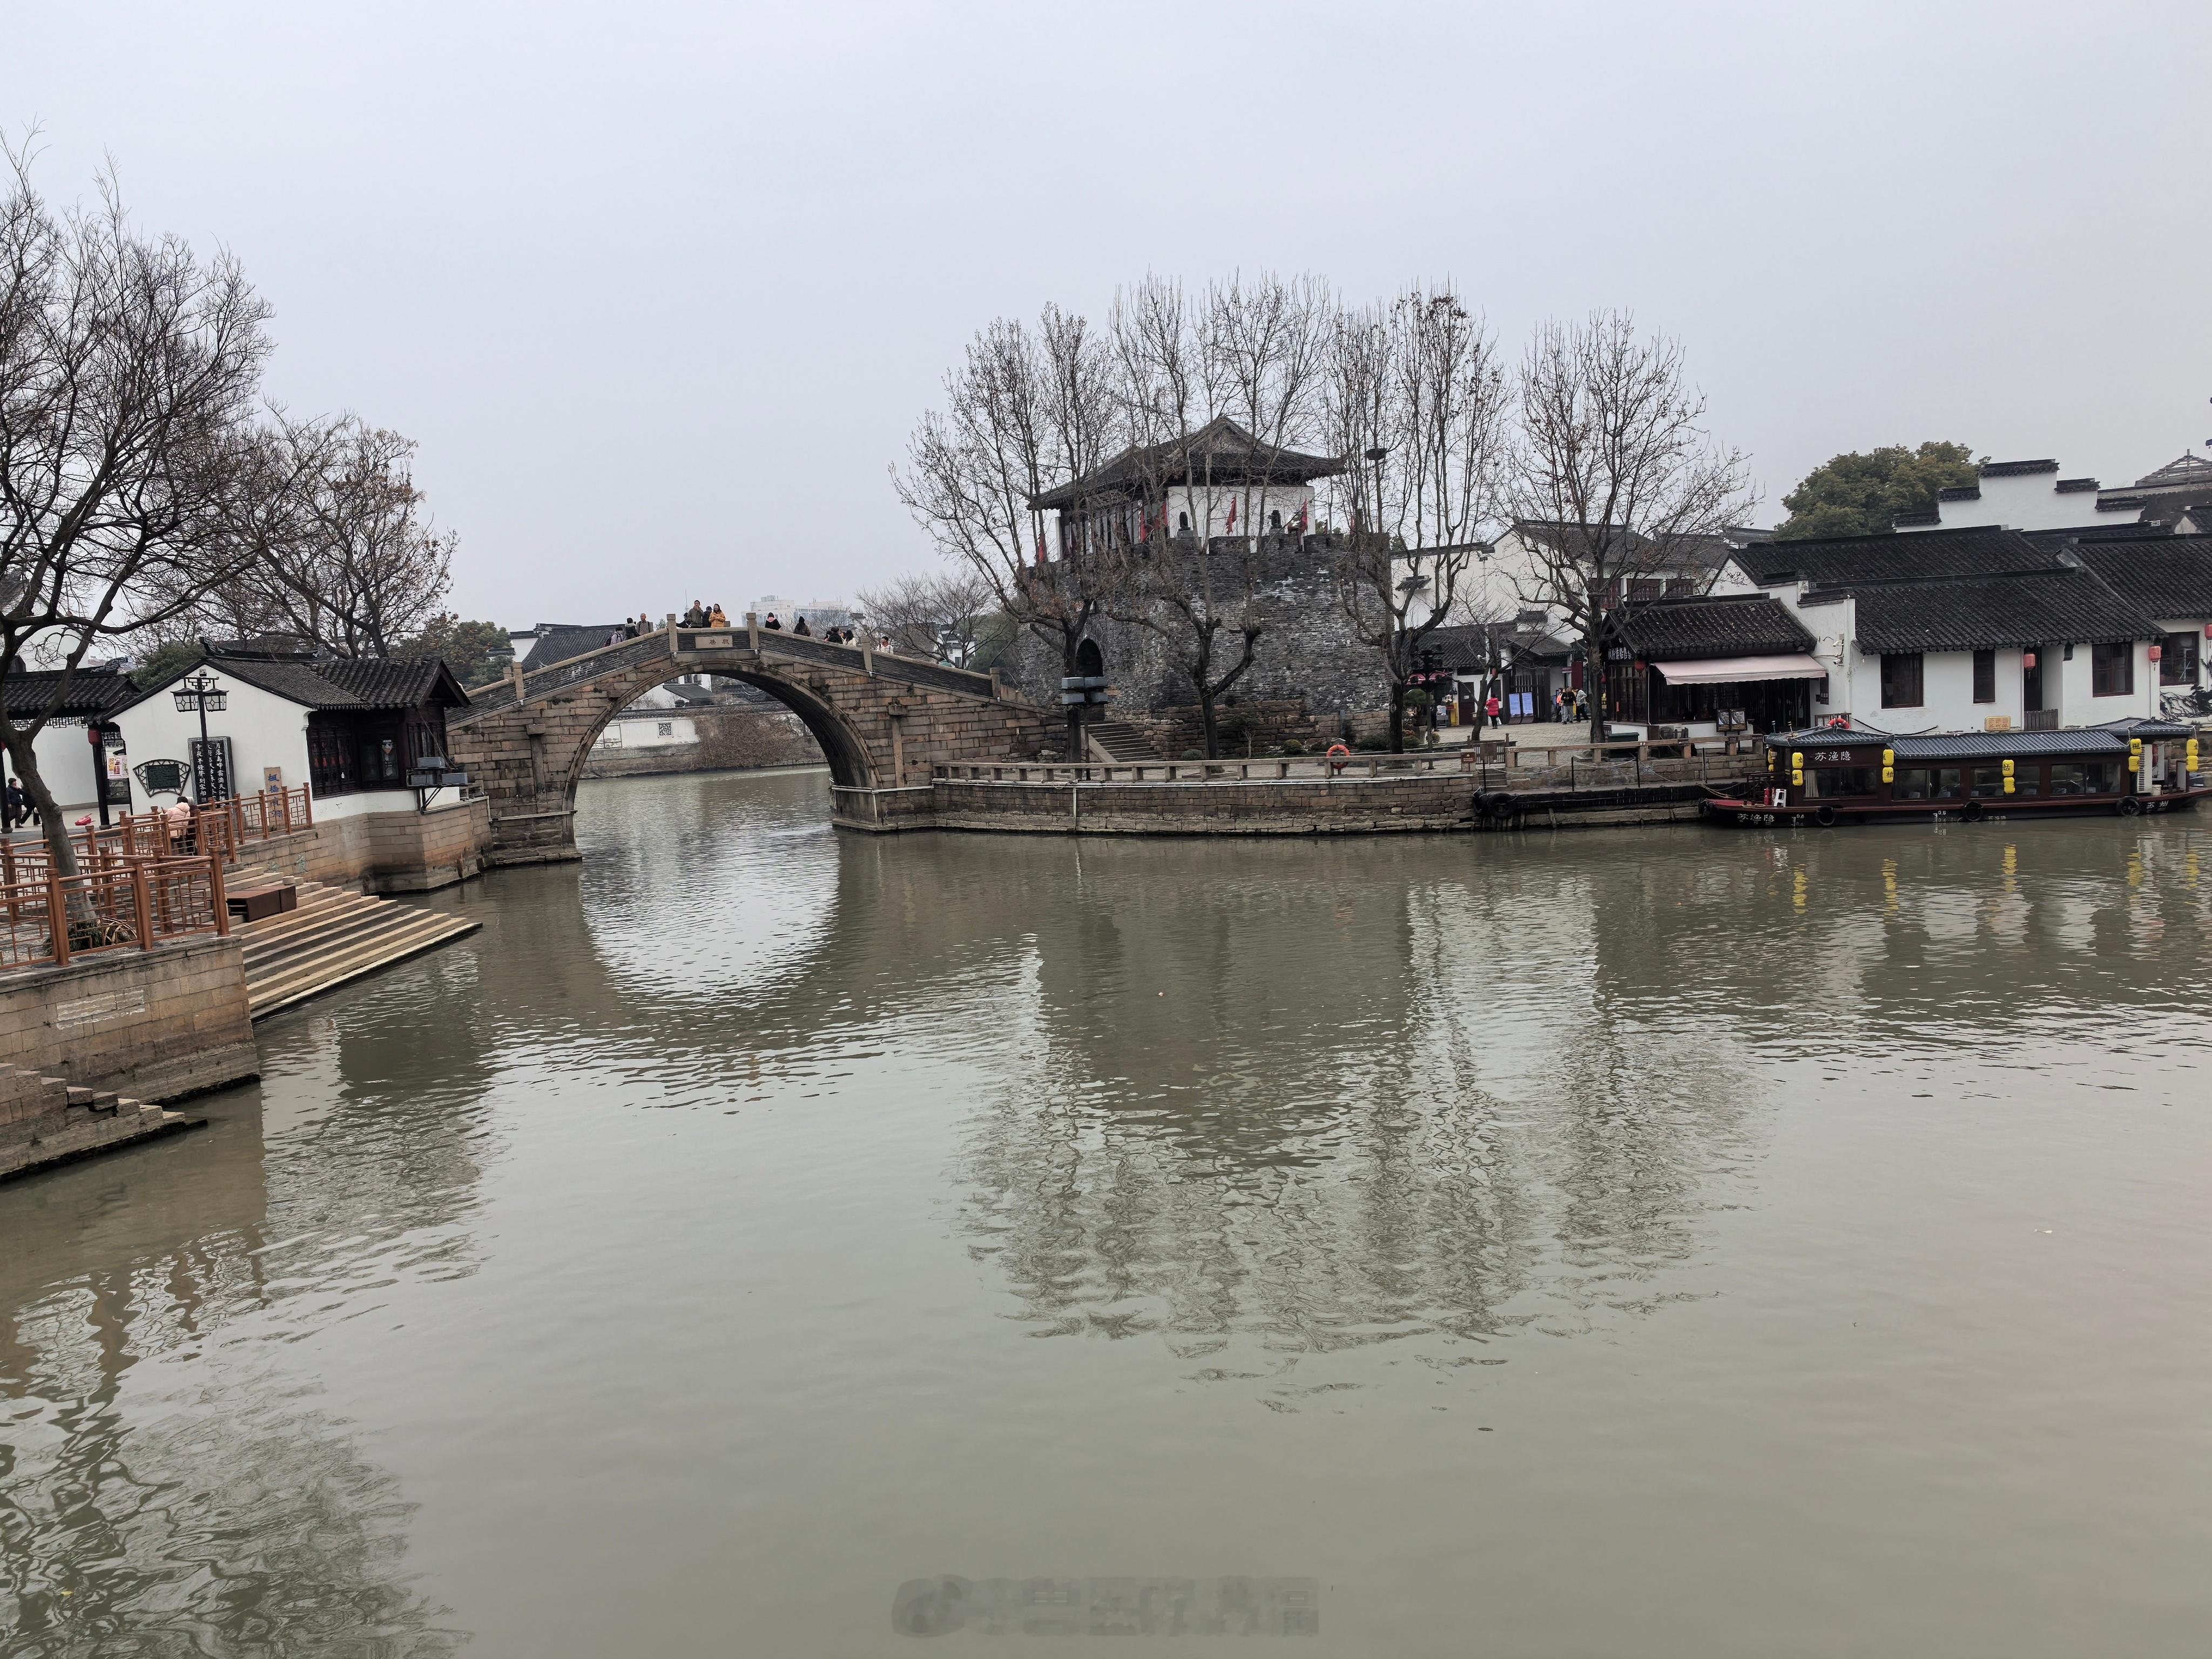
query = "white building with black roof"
x=1957 y=629
x=353 y=730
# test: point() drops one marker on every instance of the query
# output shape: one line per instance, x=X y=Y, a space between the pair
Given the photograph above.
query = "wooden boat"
x=1851 y=775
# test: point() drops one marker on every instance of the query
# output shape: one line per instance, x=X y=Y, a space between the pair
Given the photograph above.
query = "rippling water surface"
x=1697 y=1243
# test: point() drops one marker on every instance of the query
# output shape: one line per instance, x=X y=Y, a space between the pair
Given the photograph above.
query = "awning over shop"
x=1727 y=671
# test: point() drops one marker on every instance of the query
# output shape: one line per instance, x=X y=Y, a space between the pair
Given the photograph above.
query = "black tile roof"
x=2166 y=576
x=2071 y=486
x=2016 y=469
x=558 y=641
x=1220 y=451
x=91 y=693
x=1960 y=493
x=2016 y=608
x=332 y=683
x=1738 y=625
x=1961 y=552
x=1910 y=521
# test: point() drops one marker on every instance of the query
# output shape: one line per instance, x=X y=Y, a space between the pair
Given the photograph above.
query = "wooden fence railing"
x=54 y=919
x=221 y=827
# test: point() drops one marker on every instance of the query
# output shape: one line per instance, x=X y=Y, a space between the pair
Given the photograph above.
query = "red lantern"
x=2027 y=658
x=2156 y=651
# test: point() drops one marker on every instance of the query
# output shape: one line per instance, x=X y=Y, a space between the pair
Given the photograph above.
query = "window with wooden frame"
x=2112 y=670
x=1901 y=680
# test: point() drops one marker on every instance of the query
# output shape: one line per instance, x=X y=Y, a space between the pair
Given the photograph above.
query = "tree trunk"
x=1397 y=716
x=22 y=756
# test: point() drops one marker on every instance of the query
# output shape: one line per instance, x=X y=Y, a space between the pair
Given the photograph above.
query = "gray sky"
x=661 y=288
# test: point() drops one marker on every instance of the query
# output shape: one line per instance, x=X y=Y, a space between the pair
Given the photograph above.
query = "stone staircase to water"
x=334 y=936
x=1120 y=743
x=46 y=1120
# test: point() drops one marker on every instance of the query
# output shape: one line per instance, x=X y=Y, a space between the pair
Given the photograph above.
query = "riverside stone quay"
x=918 y=746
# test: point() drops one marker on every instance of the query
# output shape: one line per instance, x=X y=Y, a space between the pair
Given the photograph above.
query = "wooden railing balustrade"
x=53 y=919
x=220 y=827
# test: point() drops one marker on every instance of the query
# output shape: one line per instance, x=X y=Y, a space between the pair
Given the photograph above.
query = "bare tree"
x=1417 y=403
x=1214 y=393
x=1024 y=412
x=128 y=372
x=930 y=611
x=344 y=553
x=1616 y=481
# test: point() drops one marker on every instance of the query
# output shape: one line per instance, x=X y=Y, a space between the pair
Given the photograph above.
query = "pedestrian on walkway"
x=17 y=807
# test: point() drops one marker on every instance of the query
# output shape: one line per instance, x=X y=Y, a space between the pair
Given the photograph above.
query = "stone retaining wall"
x=383 y=852
x=157 y=1024
x=1294 y=806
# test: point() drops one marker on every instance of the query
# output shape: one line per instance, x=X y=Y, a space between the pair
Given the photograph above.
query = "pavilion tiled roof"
x=1735 y=625
x=1221 y=451
x=2053 y=606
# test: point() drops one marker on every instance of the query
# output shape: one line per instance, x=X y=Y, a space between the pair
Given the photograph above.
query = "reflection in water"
x=756 y=1217
x=209 y=1506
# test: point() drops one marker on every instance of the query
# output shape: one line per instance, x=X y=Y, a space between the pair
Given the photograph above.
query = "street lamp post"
x=202 y=692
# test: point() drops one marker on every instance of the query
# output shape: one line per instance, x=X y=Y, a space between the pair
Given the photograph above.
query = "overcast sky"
x=661 y=288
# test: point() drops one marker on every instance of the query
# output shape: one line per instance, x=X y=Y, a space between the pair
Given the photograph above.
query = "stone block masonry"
x=1310 y=805
x=160 y=1025
x=87 y=1051
x=881 y=723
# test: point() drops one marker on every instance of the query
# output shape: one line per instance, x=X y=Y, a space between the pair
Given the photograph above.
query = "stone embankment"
x=1367 y=796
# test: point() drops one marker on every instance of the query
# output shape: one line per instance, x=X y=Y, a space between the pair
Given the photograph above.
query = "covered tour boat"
x=1849 y=774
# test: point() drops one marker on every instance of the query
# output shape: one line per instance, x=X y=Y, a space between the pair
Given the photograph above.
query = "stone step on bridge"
x=883 y=722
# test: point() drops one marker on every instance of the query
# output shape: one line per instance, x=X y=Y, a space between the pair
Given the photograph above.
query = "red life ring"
x=1334 y=750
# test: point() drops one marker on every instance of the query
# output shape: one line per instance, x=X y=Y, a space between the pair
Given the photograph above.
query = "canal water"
x=760 y=1241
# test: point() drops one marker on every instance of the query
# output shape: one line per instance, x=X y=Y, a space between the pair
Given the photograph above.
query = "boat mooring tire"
x=2129 y=807
x=1499 y=806
x=1825 y=817
x=1971 y=811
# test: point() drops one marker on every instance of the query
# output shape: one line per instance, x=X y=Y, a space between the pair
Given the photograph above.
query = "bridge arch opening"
x=846 y=753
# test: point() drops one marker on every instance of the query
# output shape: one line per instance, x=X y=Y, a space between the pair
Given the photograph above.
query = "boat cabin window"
x=1987 y=782
x=2082 y=777
x=1925 y=783
x=1836 y=782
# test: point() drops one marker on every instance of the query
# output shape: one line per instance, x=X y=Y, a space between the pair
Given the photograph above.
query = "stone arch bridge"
x=883 y=721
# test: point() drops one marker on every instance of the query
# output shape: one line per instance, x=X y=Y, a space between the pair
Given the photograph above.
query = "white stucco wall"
x=628 y=734
x=2027 y=501
x=264 y=730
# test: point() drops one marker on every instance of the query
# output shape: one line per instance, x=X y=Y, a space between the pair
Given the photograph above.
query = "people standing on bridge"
x=772 y=623
x=717 y=618
x=800 y=627
x=884 y=645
